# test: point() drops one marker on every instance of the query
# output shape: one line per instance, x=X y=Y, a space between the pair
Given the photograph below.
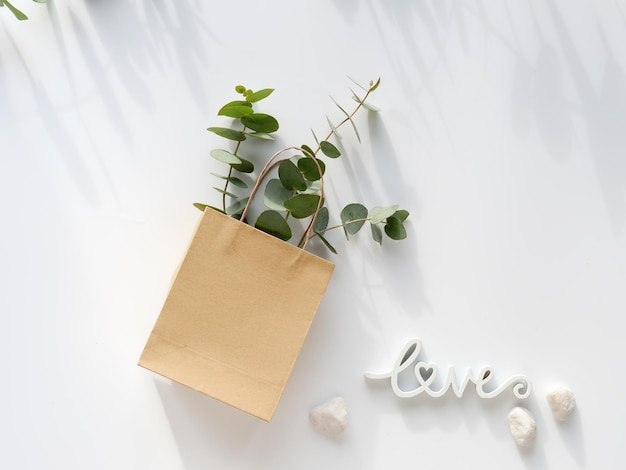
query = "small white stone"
x=562 y=402
x=330 y=418
x=522 y=426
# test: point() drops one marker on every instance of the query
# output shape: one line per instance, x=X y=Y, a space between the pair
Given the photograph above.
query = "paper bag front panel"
x=237 y=314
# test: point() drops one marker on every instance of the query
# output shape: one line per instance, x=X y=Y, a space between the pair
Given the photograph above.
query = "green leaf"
x=273 y=223
x=240 y=89
x=365 y=104
x=245 y=166
x=259 y=95
x=219 y=190
x=350 y=214
x=329 y=149
x=40 y=1
x=290 y=176
x=236 y=109
x=309 y=169
x=377 y=234
x=275 y=195
x=225 y=156
x=308 y=150
x=237 y=207
x=18 y=14
x=317 y=141
x=333 y=128
x=203 y=207
x=233 y=180
x=395 y=229
x=321 y=221
x=302 y=205
x=378 y=214
x=260 y=122
x=260 y=135
x=375 y=85
x=401 y=214
x=231 y=134
x=327 y=243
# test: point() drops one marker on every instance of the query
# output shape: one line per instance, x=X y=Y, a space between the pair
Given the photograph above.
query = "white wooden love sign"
x=425 y=376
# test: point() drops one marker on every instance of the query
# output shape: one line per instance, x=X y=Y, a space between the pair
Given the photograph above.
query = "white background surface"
x=503 y=131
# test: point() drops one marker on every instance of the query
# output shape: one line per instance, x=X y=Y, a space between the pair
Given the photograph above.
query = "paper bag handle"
x=264 y=172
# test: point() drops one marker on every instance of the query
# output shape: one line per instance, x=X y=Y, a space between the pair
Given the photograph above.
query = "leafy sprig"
x=16 y=12
x=297 y=191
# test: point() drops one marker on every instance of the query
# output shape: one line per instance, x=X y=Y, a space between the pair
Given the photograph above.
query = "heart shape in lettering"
x=425 y=372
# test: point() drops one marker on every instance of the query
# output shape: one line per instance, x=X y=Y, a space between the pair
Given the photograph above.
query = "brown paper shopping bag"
x=237 y=314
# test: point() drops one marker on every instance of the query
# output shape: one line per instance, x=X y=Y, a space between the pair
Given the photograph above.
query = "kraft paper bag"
x=237 y=314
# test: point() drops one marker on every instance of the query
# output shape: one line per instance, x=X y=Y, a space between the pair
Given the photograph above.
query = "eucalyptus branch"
x=298 y=190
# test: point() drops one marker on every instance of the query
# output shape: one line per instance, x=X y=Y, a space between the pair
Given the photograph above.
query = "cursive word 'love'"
x=426 y=374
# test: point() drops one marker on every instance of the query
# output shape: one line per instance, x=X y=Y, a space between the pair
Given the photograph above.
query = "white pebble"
x=330 y=418
x=562 y=402
x=522 y=426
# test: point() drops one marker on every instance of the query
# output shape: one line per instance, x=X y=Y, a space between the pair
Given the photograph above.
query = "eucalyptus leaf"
x=356 y=131
x=275 y=195
x=353 y=216
x=203 y=207
x=237 y=207
x=227 y=133
x=310 y=170
x=333 y=128
x=313 y=187
x=308 y=150
x=329 y=149
x=222 y=191
x=302 y=205
x=245 y=166
x=395 y=229
x=365 y=104
x=273 y=223
x=377 y=233
x=236 y=109
x=401 y=214
x=327 y=243
x=225 y=156
x=378 y=214
x=374 y=86
x=260 y=122
x=233 y=180
x=259 y=95
x=321 y=221
x=18 y=14
x=290 y=176
x=260 y=135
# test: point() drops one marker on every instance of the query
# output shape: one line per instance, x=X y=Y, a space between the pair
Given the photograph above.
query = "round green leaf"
x=231 y=134
x=273 y=223
x=245 y=166
x=308 y=150
x=260 y=122
x=225 y=156
x=310 y=170
x=401 y=214
x=353 y=217
x=302 y=205
x=275 y=195
x=236 y=109
x=290 y=176
x=329 y=149
x=395 y=229
x=378 y=214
